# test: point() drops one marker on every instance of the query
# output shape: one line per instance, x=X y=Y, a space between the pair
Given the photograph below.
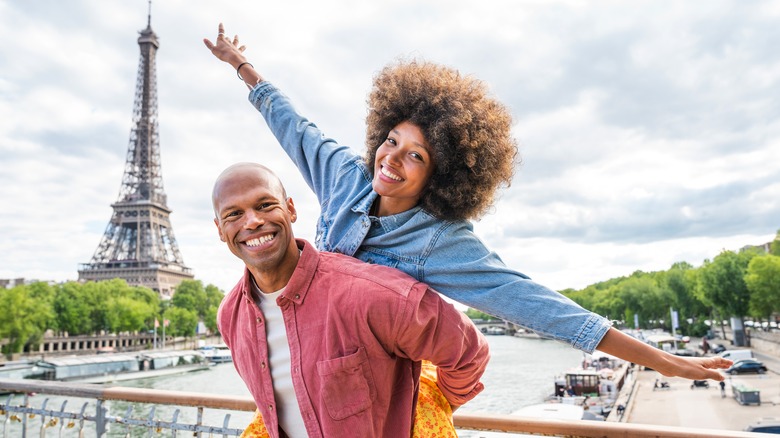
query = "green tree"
x=72 y=309
x=763 y=282
x=183 y=322
x=774 y=247
x=127 y=314
x=191 y=295
x=476 y=314
x=23 y=318
x=722 y=283
x=680 y=281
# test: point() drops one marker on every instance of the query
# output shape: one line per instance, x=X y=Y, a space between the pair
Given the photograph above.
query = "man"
x=328 y=345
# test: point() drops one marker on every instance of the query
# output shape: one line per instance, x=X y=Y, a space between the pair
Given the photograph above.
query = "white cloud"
x=647 y=129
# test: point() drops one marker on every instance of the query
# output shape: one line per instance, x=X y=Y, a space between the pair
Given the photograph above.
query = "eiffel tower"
x=138 y=244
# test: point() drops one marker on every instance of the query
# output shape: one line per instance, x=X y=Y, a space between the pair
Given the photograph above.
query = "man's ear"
x=291 y=209
x=219 y=229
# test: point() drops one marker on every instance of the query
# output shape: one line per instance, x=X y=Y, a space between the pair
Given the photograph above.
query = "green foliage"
x=722 y=282
x=763 y=282
x=72 y=310
x=183 y=322
x=774 y=247
x=476 y=314
x=24 y=315
x=190 y=295
x=203 y=302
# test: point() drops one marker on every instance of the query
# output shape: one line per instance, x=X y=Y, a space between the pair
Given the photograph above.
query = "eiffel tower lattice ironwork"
x=138 y=244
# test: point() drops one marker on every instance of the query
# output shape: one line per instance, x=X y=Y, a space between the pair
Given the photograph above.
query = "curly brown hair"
x=468 y=131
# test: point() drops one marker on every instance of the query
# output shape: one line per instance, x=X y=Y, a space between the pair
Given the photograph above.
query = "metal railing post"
x=100 y=418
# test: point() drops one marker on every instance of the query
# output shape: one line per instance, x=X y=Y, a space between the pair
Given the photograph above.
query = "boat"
x=558 y=411
x=495 y=330
x=20 y=369
x=114 y=367
x=594 y=386
x=219 y=353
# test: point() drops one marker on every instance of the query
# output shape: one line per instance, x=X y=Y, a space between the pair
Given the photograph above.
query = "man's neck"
x=272 y=280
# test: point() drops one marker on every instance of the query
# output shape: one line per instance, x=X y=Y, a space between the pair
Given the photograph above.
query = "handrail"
x=464 y=421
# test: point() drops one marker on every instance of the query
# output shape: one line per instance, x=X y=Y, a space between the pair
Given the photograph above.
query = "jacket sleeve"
x=482 y=281
x=434 y=330
x=318 y=158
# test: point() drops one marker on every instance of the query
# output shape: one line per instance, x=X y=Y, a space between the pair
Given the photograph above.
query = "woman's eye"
x=390 y=140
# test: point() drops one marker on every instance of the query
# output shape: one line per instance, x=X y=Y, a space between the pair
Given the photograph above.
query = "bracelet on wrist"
x=238 y=69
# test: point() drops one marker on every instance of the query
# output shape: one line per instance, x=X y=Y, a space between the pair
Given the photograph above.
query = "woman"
x=438 y=147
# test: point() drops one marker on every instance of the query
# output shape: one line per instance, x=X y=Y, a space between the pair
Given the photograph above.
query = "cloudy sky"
x=649 y=130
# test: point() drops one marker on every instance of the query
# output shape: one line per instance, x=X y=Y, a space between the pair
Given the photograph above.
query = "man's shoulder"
x=332 y=263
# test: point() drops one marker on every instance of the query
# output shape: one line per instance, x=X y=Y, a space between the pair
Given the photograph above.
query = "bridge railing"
x=37 y=421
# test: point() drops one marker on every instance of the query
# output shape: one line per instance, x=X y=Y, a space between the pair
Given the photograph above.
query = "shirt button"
x=297 y=296
x=270 y=407
x=262 y=365
x=259 y=320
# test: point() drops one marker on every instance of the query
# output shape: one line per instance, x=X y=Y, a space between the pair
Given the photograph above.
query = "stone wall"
x=765 y=342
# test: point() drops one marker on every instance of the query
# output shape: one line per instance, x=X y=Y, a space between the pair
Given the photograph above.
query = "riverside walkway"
x=704 y=407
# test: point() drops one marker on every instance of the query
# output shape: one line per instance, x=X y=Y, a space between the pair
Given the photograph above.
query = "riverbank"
x=680 y=405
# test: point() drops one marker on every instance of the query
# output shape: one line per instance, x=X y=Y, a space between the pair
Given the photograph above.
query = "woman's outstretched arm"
x=621 y=345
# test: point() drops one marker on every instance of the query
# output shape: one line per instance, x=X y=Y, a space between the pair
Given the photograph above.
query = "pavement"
x=680 y=405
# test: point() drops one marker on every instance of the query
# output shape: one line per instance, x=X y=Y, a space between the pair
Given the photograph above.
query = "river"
x=521 y=373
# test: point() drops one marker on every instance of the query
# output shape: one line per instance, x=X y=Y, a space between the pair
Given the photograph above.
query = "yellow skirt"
x=433 y=418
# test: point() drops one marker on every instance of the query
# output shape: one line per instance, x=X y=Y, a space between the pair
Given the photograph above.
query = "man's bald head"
x=243 y=171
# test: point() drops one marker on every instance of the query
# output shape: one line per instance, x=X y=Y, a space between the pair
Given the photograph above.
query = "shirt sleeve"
x=319 y=159
x=435 y=330
x=461 y=267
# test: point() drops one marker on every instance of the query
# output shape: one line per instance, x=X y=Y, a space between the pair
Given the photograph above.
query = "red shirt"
x=357 y=333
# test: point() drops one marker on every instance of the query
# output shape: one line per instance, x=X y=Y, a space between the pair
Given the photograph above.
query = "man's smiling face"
x=254 y=217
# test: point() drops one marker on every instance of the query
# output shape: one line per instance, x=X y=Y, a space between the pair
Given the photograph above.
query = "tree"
x=23 y=319
x=774 y=247
x=478 y=315
x=183 y=322
x=190 y=295
x=763 y=282
x=680 y=281
x=722 y=282
x=72 y=308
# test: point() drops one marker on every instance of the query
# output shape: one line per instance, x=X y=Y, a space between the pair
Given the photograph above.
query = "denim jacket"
x=446 y=255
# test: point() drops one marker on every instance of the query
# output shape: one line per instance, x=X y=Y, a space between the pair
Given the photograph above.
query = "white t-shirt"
x=287 y=409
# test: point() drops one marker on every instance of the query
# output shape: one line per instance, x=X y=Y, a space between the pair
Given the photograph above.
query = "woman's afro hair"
x=469 y=134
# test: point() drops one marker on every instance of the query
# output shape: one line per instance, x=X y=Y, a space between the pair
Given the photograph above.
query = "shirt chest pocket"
x=347 y=384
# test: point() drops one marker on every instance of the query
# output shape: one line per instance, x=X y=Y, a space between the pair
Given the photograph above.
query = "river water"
x=521 y=373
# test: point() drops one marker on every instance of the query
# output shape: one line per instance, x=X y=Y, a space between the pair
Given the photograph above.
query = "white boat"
x=557 y=411
x=218 y=353
x=116 y=367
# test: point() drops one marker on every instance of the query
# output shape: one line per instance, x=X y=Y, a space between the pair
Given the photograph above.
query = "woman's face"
x=403 y=166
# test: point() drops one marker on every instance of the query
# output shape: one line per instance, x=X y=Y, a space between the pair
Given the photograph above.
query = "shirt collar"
x=298 y=286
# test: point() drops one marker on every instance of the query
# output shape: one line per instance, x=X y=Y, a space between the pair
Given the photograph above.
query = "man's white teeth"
x=390 y=175
x=260 y=240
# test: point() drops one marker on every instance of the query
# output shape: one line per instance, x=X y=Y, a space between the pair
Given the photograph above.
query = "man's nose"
x=253 y=220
